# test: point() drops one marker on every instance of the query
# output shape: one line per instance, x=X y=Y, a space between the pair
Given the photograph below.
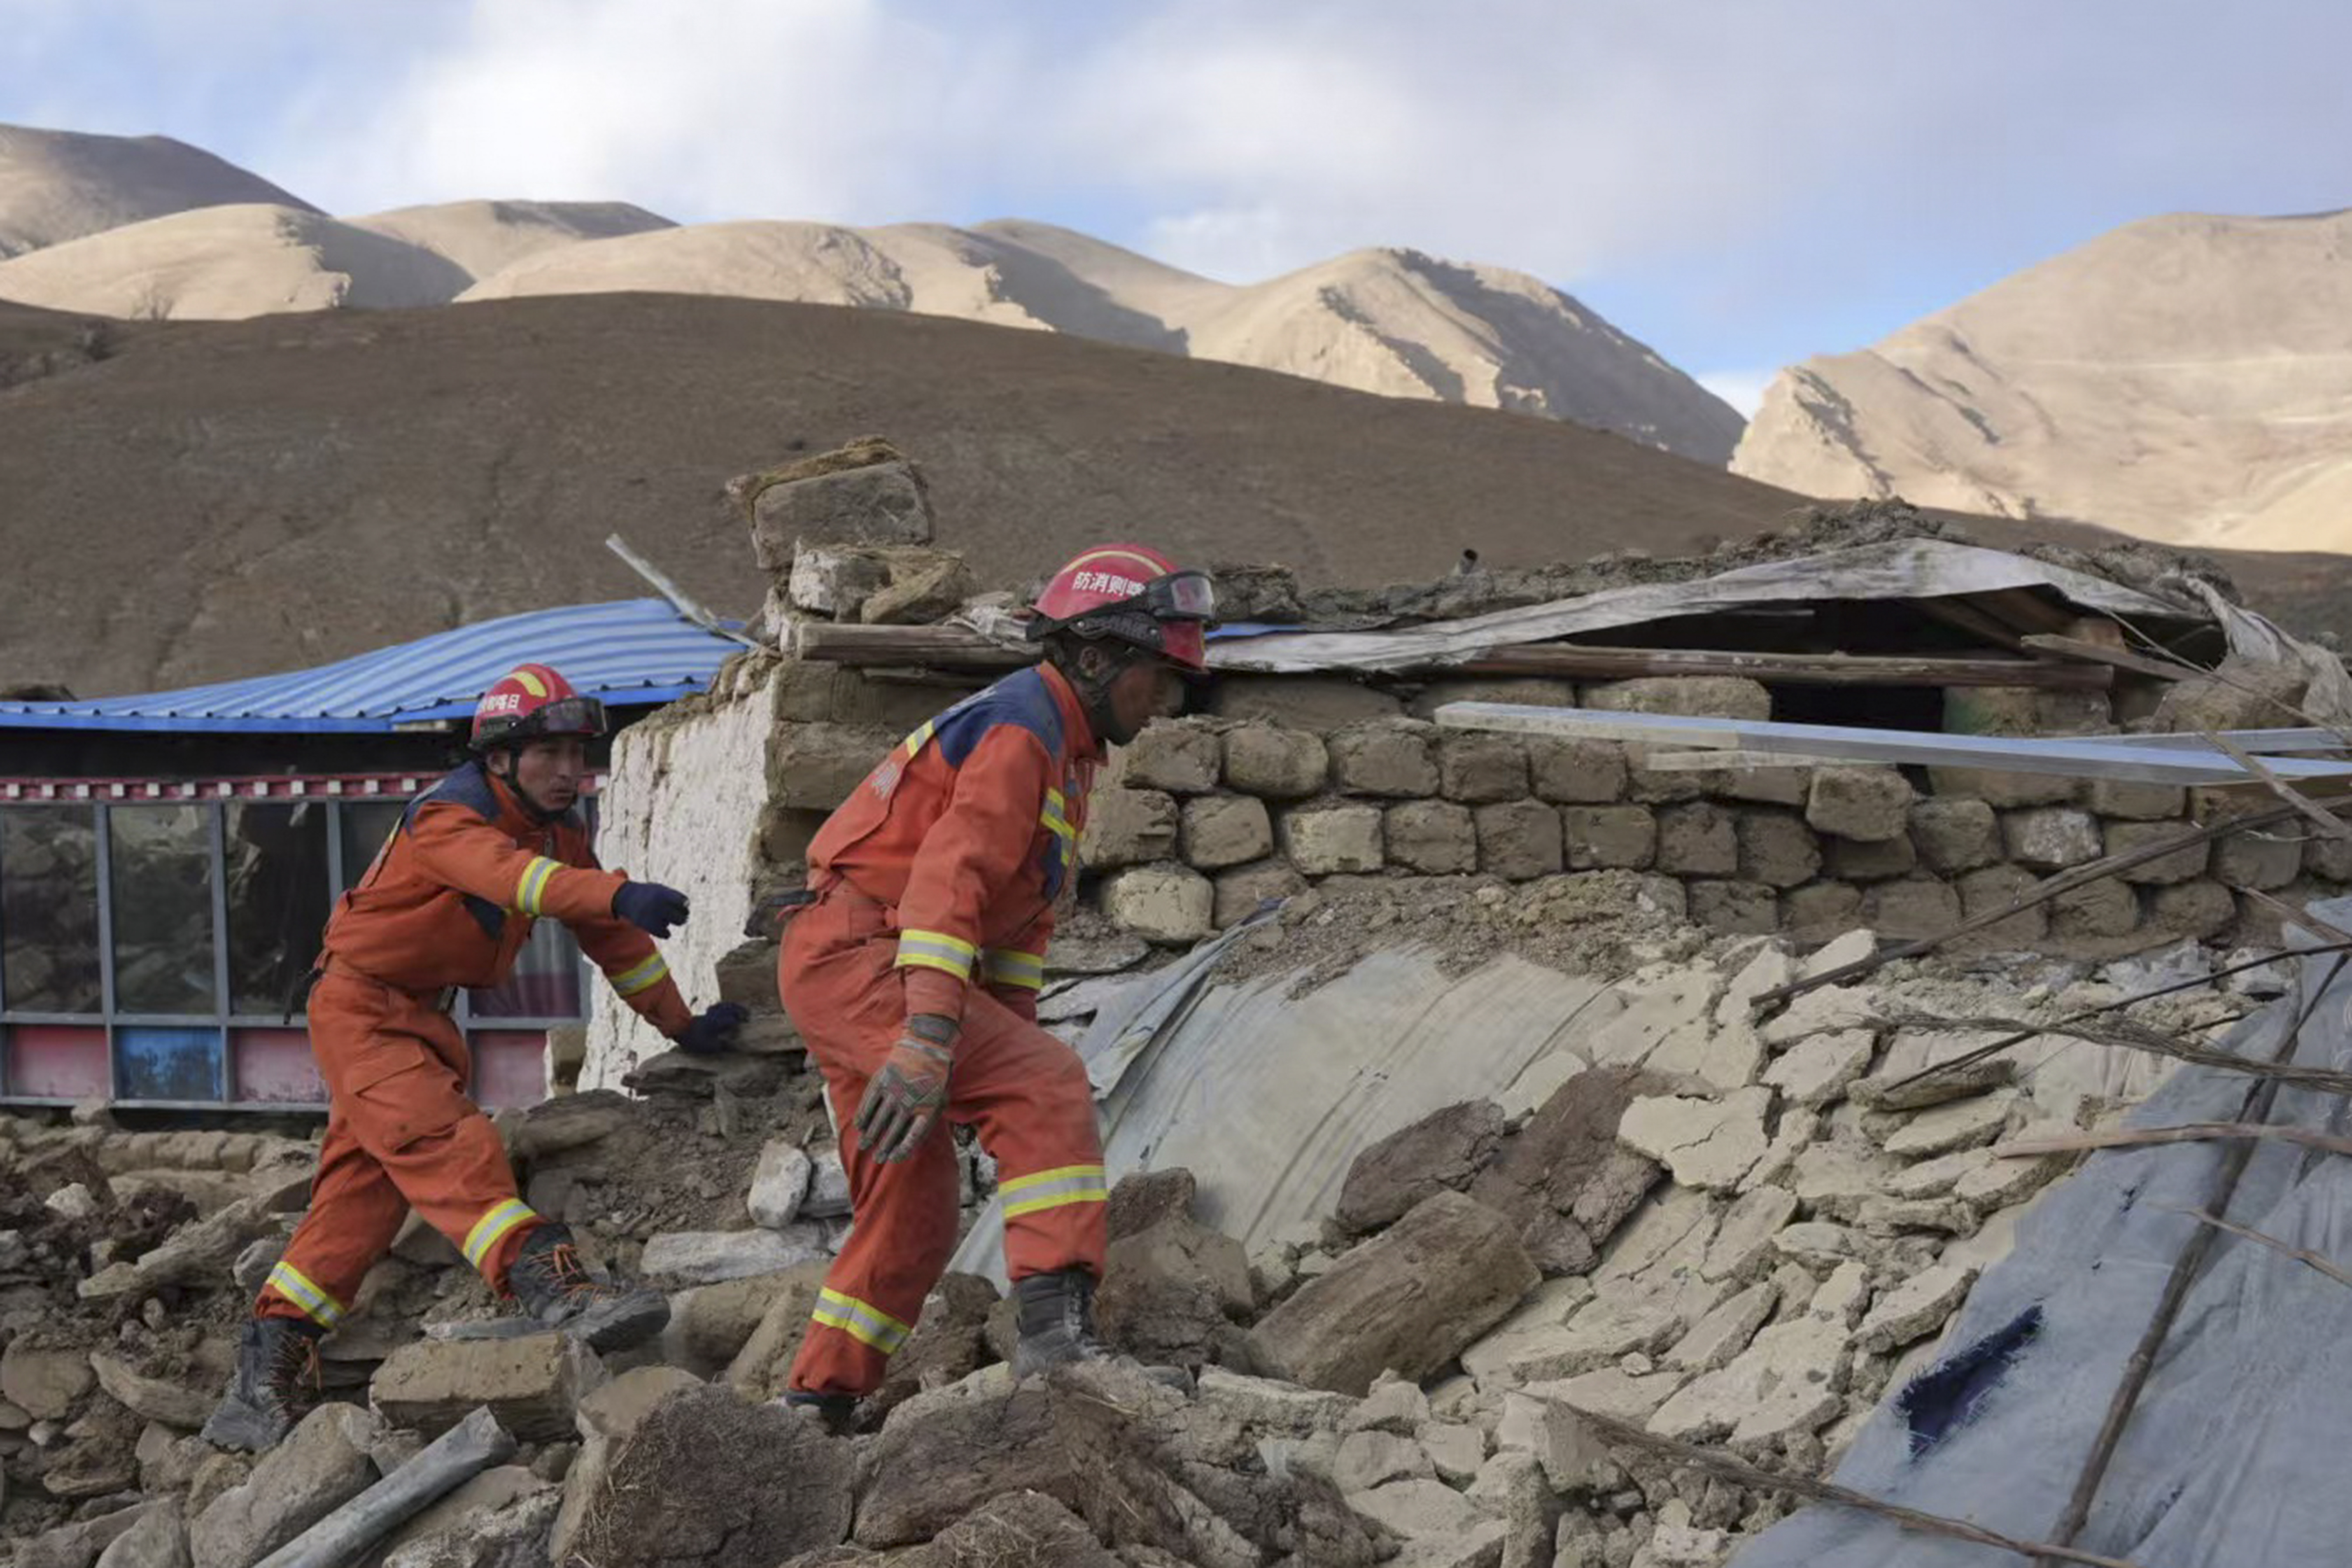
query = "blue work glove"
x=712 y=1030
x=650 y=907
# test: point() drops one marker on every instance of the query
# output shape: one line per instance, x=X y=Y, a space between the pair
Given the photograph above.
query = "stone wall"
x=1288 y=781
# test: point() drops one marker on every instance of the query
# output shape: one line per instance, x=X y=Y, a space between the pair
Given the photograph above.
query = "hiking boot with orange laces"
x=276 y=1383
x=556 y=1288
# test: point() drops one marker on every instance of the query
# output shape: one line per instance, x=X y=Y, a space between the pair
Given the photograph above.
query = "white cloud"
x=1769 y=177
x=1743 y=389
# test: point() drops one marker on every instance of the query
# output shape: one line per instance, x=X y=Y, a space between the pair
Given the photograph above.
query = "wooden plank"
x=1956 y=610
x=2099 y=653
x=2073 y=758
x=1593 y=663
x=2024 y=609
x=954 y=647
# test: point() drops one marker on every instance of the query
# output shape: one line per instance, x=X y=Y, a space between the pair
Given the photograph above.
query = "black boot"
x=556 y=1288
x=276 y=1380
x=837 y=1411
x=1058 y=1321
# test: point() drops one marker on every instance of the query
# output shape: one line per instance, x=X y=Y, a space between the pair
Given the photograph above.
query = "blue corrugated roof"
x=635 y=652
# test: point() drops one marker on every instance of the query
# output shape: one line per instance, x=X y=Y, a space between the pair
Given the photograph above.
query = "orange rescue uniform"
x=938 y=884
x=449 y=901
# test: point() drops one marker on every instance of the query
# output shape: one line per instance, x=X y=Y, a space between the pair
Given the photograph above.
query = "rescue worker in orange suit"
x=913 y=974
x=449 y=902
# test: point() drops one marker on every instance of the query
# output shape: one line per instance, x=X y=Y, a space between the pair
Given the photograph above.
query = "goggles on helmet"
x=1185 y=595
x=564 y=716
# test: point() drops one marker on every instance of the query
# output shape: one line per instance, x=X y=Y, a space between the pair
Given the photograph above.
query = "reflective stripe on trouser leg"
x=496 y=1224
x=861 y=1321
x=1053 y=1189
x=296 y=1286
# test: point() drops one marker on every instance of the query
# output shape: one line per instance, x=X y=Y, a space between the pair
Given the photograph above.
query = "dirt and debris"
x=1607 y=1247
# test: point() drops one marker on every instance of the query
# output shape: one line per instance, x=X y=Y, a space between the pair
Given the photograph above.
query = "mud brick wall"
x=1287 y=782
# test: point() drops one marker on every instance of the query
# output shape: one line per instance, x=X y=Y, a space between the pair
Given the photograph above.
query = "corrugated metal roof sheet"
x=635 y=651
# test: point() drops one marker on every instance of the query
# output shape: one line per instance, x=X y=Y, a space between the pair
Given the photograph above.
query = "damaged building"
x=1642 y=1064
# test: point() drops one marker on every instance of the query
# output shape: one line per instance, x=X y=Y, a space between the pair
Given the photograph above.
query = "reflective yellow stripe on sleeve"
x=640 y=976
x=936 y=949
x=1056 y=818
x=861 y=1321
x=296 y=1286
x=533 y=884
x=1053 y=1189
x=1011 y=966
x=494 y=1227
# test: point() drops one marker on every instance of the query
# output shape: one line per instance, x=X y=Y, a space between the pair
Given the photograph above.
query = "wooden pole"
x=956 y=647
x=1786 y=668
x=1621 y=1435
x=2255 y=1109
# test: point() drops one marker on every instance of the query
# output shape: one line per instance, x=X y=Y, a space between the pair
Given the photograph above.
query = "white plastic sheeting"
x=2235 y=1455
x=1267 y=1101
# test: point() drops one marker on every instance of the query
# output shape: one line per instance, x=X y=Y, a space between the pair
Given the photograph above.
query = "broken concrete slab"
x=708 y=1257
x=1914 y=1051
x=1708 y=1144
x=1742 y=1248
x=1408 y=1299
x=1962 y=1124
x=44 y=1381
x=155 y=1398
x=1367 y=1459
x=1835 y=1179
x=322 y=1463
x=1790 y=1381
x=1263 y=1404
x=779 y=1183
x=533 y=1383
x=1818 y=1069
x=1721 y=1336
x=1444 y=1150
x=1917 y=1307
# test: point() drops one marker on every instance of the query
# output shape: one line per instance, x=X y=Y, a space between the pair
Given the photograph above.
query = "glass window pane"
x=162 y=909
x=277 y=898
x=367 y=825
x=48 y=909
x=546 y=979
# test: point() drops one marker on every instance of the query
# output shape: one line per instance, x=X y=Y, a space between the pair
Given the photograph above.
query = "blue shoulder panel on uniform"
x=487 y=915
x=468 y=786
x=1022 y=698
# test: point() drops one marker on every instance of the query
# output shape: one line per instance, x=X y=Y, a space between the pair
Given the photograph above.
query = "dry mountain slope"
x=484 y=237
x=57 y=185
x=1387 y=320
x=227 y=262
x=2185 y=379
x=1393 y=322
x=212 y=500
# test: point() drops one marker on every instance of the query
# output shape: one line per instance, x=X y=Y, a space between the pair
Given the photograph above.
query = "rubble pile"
x=1730 y=1227
x=1283 y=783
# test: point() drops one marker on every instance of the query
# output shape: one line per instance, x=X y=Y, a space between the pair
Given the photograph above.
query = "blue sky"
x=1740 y=182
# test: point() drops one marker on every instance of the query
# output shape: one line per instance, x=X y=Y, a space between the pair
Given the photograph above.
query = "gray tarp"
x=1899 y=569
x=1268 y=1100
x=2237 y=1456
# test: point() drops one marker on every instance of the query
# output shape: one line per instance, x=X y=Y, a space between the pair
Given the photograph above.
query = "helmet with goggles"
x=533 y=702
x=1135 y=594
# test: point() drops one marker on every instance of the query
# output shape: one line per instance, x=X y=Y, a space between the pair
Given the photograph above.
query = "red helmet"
x=532 y=702
x=1132 y=593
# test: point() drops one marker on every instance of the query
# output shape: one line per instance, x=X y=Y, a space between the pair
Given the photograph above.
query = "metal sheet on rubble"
x=1899 y=569
x=1268 y=1099
x=2234 y=1457
x=2093 y=757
